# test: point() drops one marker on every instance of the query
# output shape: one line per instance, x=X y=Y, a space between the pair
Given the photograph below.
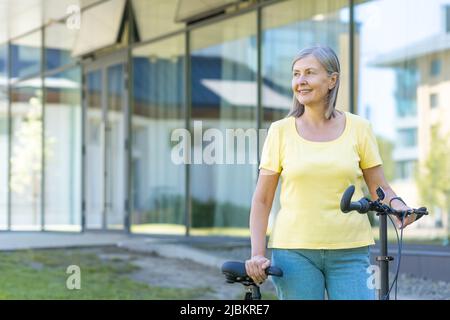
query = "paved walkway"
x=47 y=240
x=43 y=240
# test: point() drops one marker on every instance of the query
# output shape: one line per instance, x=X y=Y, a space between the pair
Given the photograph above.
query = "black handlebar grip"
x=362 y=206
x=235 y=271
x=346 y=199
x=422 y=210
x=274 y=271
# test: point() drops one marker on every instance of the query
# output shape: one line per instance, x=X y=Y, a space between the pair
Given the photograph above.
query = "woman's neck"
x=315 y=116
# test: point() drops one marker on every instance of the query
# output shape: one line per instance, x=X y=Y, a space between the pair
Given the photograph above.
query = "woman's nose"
x=300 y=80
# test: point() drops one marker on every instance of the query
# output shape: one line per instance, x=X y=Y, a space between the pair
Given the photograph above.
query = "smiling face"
x=311 y=82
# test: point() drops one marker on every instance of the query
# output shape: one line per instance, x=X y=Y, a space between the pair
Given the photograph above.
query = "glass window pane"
x=434 y=100
x=26 y=157
x=403 y=84
x=115 y=153
x=288 y=27
x=407 y=137
x=94 y=165
x=155 y=18
x=158 y=110
x=26 y=55
x=3 y=137
x=59 y=43
x=435 y=67
x=447 y=18
x=224 y=97
x=63 y=151
x=105 y=132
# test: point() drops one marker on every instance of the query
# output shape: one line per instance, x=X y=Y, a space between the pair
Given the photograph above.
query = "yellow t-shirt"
x=314 y=175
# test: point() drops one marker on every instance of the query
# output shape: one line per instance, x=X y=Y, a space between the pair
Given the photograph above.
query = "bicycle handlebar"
x=235 y=271
x=364 y=205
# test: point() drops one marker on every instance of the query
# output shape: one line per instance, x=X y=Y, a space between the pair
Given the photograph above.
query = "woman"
x=318 y=151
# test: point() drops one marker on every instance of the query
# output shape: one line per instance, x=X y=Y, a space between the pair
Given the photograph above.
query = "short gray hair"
x=329 y=60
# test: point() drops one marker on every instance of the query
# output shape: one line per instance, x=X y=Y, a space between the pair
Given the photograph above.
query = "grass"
x=41 y=274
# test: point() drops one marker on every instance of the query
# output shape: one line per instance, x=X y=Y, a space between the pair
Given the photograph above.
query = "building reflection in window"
x=4 y=126
x=26 y=157
x=224 y=97
x=158 y=184
x=63 y=151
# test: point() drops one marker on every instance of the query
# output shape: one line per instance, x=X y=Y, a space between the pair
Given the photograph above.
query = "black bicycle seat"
x=234 y=271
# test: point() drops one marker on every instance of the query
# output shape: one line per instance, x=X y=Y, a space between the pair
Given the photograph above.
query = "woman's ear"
x=333 y=80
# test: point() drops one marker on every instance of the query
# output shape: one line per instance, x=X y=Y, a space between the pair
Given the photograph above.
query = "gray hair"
x=329 y=60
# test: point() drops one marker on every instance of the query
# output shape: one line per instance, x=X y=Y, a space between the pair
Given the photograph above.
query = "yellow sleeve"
x=270 y=156
x=368 y=149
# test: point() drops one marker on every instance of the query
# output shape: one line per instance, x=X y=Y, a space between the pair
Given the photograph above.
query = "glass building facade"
x=93 y=110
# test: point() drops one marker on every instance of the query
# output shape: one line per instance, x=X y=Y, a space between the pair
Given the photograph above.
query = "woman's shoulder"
x=357 y=120
x=282 y=123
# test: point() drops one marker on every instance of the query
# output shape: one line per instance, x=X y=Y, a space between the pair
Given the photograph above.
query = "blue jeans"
x=308 y=273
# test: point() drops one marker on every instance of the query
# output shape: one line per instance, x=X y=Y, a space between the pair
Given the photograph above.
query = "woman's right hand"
x=255 y=268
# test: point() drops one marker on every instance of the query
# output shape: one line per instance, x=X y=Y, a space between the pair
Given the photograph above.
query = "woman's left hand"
x=400 y=206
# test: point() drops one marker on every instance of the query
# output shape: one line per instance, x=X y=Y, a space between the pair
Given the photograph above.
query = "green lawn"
x=41 y=274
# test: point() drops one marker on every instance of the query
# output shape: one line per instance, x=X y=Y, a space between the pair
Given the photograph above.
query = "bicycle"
x=365 y=205
x=235 y=271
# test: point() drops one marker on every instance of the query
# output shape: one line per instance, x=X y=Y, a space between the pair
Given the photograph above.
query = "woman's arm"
x=374 y=178
x=259 y=218
x=261 y=205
